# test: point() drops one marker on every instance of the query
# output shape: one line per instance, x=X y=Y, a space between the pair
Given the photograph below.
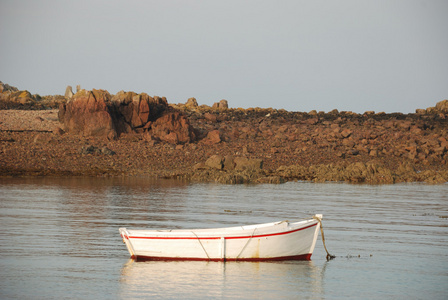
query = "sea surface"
x=59 y=240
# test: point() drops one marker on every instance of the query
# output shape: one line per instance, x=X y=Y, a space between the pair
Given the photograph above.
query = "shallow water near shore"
x=60 y=240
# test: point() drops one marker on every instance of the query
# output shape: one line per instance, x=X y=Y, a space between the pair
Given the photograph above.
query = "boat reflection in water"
x=204 y=279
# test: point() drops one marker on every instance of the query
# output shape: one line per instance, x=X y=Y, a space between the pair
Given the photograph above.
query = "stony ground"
x=292 y=146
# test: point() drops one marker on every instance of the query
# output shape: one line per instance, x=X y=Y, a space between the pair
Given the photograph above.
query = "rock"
x=107 y=151
x=192 y=103
x=12 y=98
x=171 y=138
x=7 y=88
x=443 y=143
x=229 y=163
x=97 y=113
x=213 y=137
x=280 y=136
x=215 y=162
x=68 y=92
x=340 y=154
x=312 y=121
x=420 y=111
x=334 y=112
x=442 y=106
x=346 y=133
x=210 y=117
x=242 y=163
x=132 y=111
x=431 y=110
x=199 y=166
x=40 y=138
x=173 y=127
x=88 y=114
x=355 y=173
x=354 y=152
x=90 y=149
x=23 y=97
x=58 y=131
x=405 y=125
x=223 y=104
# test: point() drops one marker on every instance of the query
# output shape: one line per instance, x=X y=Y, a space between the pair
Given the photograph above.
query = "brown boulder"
x=173 y=127
x=24 y=97
x=223 y=104
x=213 y=137
x=17 y=98
x=215 y=162
x=133 y=111
x=88 y=114
x=312 y=121
x=346 y=133
x=229 y=163
x=7 y=88
x=68 y=92
x=442 y=106
x=210 y=117
x=191 y=103
x=420 y=111
x=242 y=163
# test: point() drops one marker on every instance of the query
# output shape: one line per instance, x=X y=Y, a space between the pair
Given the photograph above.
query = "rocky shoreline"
x=140 y=135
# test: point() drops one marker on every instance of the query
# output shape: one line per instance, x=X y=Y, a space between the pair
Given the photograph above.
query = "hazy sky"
x=352 y=55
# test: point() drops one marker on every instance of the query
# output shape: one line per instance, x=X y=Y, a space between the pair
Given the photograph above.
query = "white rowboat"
x=271 y=241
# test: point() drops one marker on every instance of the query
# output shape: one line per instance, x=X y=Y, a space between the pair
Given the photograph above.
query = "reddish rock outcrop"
x=173 y=127
x=88 y=114
x=132 y=111
x=97 y=113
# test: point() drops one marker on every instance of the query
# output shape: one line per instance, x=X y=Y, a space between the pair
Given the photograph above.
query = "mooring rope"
x=201 y=245
x=329 y=256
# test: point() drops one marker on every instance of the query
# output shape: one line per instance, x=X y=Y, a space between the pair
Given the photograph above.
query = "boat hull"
x=271 y=241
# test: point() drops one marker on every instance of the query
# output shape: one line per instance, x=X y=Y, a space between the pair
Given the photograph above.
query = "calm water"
x=59 y=240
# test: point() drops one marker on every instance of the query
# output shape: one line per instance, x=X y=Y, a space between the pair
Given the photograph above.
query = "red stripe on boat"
x=217 y=238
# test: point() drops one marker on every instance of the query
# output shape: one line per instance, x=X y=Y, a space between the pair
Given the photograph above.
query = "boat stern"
x=318 y=218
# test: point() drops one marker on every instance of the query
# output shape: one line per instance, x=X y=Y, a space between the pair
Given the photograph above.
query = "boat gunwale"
x=218 y=233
